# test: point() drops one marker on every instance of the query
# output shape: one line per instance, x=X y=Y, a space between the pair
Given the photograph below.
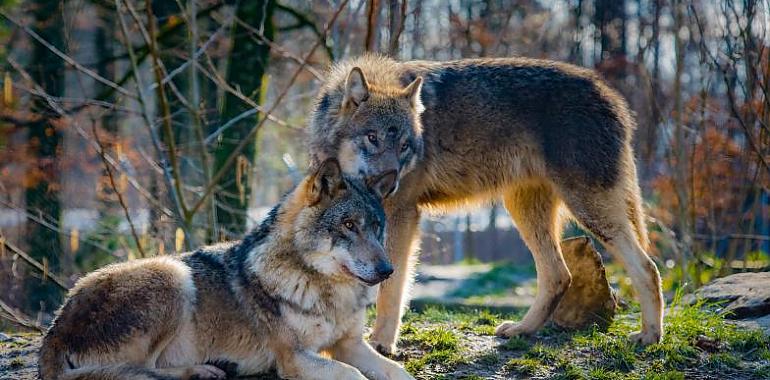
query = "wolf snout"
x=384 y=270
x=384 y=184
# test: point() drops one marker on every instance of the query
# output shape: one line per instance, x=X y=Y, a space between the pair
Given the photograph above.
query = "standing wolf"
x=540 y=135
x=295 y=286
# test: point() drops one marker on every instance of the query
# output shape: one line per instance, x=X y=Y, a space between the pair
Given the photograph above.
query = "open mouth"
x=351 y=274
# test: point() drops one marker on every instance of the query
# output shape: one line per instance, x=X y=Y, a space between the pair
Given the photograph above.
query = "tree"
x=246 y=68
x=42 y=180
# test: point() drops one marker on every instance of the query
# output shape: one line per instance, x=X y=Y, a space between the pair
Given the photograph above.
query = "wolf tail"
x=54 y=364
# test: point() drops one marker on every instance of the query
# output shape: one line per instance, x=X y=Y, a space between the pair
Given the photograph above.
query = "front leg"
x=303 y=364
x=402 y=240
x=374 y=366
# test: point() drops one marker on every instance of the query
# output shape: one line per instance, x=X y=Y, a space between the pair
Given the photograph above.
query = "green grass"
x=497 y=281
x=523 y=366
x=441 y=339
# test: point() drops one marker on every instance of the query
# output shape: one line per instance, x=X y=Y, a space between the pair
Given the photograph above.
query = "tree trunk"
x=42 y=192
x=245 y=70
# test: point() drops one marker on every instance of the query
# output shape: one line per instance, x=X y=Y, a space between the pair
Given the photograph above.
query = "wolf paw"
x=384 y=349
x=205 y=372
x=510 y=329
x=645 y=338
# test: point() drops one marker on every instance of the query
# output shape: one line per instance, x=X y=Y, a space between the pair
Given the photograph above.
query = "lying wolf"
x=541 y=136
x=297 y=285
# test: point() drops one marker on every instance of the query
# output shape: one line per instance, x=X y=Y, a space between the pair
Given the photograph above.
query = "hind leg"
x=534 y=209
x=611 y=216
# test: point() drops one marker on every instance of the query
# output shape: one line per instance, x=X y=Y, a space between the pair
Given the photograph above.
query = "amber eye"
x=372 y=138
x=349 y=225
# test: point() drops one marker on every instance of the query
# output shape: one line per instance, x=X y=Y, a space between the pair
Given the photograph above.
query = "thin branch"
x=304 y=20
x=34 y=263
x=38 y=91
x=274 y=46
x=17 y=317
x=248 y=138
x=165 y=108
x=119 y=194
x=69 y=60
x=148 y=120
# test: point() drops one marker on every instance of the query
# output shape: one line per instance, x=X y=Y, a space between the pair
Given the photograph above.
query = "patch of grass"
x=446 y=358
x=488 y=358
x=437 y=338
x=16 y=363
x=515 y=344
x=498 y=280
x=569 y=371
x=542 y=352
x=723 y=360
x=666 y=375
x=523 y=366
x=698 y=340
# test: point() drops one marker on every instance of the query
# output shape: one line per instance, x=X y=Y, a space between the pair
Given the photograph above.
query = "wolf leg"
x=611 y=216
x=356 y=352
x=402 y=241
x=301 y=364
x=534 y=209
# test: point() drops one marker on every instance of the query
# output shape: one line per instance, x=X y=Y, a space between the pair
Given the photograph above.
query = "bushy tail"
x=54 y=365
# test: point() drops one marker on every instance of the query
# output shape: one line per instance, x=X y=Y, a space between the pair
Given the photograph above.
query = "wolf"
x=296 y=286
x=552 y=141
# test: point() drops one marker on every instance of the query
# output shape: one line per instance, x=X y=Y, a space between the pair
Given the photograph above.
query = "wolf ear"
x=325 y=181
x=412 y=92
x=356 y=87
x=383 y=184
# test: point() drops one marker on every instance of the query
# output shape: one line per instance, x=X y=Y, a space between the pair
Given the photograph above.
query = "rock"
x=589 y=299
x=744 y=295
x=761 y=323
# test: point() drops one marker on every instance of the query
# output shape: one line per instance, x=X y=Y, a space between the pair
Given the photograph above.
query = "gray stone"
x=744 y=295
x=589 y=299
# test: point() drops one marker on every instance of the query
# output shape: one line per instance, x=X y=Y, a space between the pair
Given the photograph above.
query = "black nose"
x=384 y=270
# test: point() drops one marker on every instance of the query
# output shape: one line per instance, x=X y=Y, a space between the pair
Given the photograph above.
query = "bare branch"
x=69 y=60
x=118 y=193
x=34 y=263
x=248 y=138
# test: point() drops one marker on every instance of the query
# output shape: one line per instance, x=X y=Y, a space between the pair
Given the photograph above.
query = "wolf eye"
x=349 y=225
x=404 y=147
x=372 y=138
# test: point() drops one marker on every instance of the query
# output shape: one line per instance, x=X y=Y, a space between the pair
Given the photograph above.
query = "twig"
x=15 y=316
x=38 y=91
x=148 y=119
x=118 y=193
x=36 y=264
x=248 y=138
x=274 y=46
x=69 y=60
x=164 y=106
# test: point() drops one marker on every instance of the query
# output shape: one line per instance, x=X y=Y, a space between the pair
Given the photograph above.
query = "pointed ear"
x=384 y=184
x=325 y=182
x=356 y=87
x=412 y=92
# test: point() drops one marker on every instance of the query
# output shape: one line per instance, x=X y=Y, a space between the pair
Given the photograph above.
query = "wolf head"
x=339 y=224
x=370 y=128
